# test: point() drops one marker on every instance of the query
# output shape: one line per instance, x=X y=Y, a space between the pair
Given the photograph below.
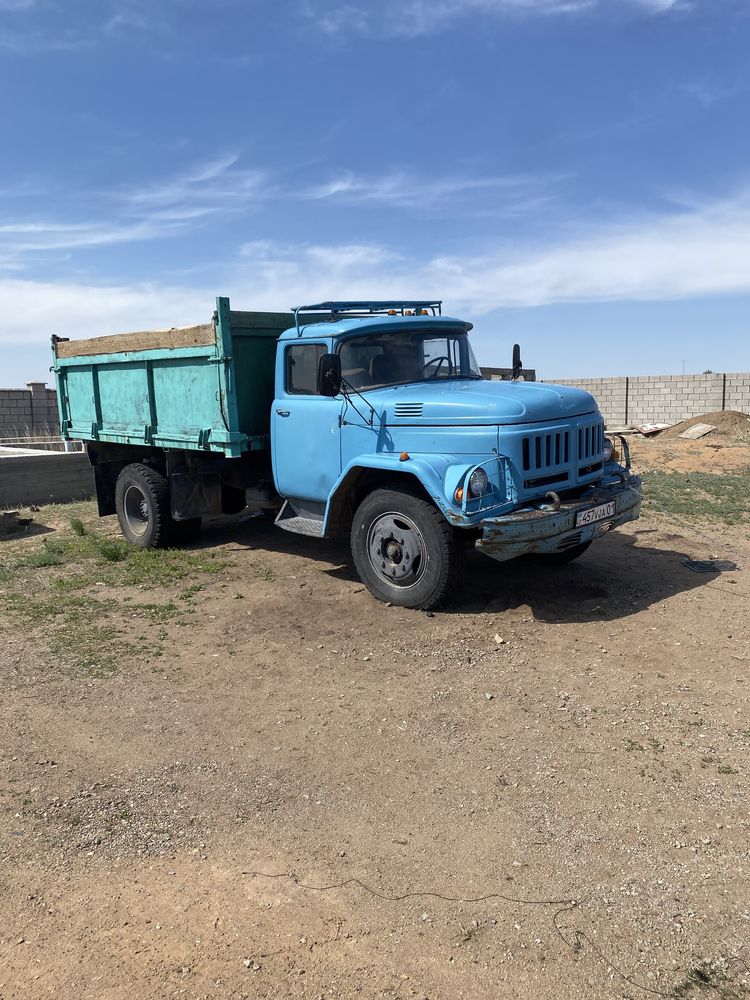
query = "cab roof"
x=360 y=325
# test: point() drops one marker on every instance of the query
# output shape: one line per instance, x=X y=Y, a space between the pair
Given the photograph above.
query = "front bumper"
x=542 y=529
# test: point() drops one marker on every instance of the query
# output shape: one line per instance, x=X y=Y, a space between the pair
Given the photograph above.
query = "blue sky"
x=571 y=174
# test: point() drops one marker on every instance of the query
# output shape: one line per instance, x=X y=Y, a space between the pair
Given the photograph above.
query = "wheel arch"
x=362 y=478
x=108 y=460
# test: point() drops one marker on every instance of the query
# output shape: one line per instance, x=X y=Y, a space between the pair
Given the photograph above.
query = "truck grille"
x=547 y=457
x=545 y=451
x=590 y=443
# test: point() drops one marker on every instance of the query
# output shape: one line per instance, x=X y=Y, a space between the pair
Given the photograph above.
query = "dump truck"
x=370 y=420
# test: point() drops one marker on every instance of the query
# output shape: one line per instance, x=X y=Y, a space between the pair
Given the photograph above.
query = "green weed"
x=50 y=554
x=111 y=549
x=700 y=494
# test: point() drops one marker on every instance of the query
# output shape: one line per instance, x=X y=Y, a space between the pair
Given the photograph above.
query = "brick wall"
x=32 y=410
x=665 y=398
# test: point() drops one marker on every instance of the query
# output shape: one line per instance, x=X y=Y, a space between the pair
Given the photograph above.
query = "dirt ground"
x=725 y=449
x=275 y=787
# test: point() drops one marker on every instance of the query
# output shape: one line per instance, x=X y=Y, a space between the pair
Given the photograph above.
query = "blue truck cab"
x=381 y=427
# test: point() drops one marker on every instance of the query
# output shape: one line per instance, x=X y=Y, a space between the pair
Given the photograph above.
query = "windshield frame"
x=469 y=366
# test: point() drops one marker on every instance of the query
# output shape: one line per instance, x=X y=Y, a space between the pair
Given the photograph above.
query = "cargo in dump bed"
x=206 y=388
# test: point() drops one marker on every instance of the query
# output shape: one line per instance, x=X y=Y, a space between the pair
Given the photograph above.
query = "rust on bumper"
x=540 y=530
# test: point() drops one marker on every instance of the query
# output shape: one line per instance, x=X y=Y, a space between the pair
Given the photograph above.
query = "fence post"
x=627 y=397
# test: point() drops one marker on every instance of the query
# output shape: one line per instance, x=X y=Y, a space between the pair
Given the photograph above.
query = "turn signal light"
x=459 y=494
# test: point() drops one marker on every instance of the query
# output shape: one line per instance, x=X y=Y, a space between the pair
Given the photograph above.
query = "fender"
x=439 y=475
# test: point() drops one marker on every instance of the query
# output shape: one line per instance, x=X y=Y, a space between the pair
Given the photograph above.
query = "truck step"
x=302 y=517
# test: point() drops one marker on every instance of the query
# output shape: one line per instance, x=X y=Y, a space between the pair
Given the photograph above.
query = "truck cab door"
x=305 y=431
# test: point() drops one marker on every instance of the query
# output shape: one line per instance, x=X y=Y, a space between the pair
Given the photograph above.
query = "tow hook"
x=555 y=505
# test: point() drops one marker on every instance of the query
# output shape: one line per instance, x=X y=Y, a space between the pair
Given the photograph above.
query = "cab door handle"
x=283 y=413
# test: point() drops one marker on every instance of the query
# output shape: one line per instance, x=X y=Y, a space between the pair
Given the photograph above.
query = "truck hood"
x=471 y=401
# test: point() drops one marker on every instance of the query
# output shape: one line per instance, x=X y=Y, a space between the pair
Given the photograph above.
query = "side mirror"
x=329 y=375
x=517 y=363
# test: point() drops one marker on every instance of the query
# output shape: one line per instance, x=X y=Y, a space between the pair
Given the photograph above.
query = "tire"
x=143 y=507
x=404 y=550
x=560 y=558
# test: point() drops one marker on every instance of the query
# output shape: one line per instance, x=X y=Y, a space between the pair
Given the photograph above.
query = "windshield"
x=406 y=356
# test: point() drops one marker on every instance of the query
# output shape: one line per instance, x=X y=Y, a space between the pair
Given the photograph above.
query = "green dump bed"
x=207 y=387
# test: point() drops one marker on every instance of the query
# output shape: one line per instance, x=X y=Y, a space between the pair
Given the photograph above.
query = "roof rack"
x=378 y=307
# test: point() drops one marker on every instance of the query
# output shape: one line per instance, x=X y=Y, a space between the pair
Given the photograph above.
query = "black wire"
x=410 y=895
x=575 y=942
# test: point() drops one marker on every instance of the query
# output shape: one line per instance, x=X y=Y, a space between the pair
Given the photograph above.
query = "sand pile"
x=732 y=427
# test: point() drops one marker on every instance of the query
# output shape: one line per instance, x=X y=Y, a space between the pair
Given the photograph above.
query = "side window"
x=301 y=362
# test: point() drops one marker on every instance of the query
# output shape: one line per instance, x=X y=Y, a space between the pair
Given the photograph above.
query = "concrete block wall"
x=29 y=411
x=665 y=398
x=671 y=398
x=610 y=394
x=45 y=478
x=738 y=392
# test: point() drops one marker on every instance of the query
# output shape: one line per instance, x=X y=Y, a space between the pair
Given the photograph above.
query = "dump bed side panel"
x=145 y=397
x=207 y=387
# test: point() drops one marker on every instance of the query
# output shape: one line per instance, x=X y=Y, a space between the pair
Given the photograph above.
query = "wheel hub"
x=136 y=510
x=396 y=549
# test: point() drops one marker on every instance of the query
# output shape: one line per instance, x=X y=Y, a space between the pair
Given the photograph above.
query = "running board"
x=303 y=517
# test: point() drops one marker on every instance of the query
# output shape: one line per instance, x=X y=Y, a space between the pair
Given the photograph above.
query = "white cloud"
x=659 y=6
x=698 y=249
x=37 y=309
x=512 y=194
x=156 y=211
x=221 y=187
x=391 y=18
x=214 y=183
x=22 y=242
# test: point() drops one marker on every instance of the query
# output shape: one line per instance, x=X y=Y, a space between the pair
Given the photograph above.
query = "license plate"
x=594 y=514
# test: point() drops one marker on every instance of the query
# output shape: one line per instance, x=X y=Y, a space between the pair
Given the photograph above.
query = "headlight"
x=609 y=450
x=477 y=483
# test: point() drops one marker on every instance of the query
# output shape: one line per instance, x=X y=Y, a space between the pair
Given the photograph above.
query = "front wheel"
x=403 y=548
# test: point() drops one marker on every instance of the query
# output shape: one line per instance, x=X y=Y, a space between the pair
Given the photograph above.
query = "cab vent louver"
x=407 y=410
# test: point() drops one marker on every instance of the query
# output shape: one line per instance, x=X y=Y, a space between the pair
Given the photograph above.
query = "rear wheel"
x=143 y=506
x=403 y=548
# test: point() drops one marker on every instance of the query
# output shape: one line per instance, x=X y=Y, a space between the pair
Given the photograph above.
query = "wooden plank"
x=148 y=340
